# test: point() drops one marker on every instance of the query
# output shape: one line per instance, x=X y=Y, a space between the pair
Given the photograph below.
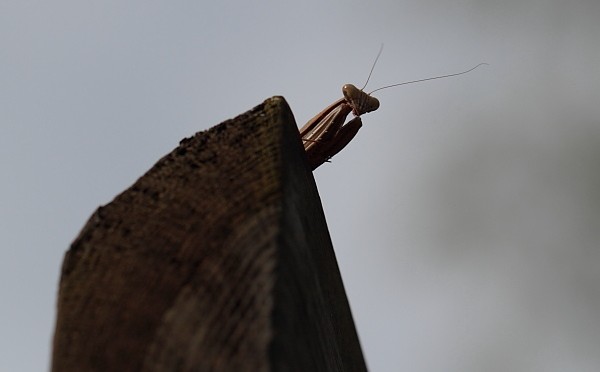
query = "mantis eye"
x=372 y=104
x=350 y=92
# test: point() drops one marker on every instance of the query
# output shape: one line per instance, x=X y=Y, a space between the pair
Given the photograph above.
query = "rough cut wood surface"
x=217 y=259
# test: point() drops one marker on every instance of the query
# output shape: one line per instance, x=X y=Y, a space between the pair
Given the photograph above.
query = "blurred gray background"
x=465 y=215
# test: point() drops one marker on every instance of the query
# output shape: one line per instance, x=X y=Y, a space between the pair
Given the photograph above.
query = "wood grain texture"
x=217 y=259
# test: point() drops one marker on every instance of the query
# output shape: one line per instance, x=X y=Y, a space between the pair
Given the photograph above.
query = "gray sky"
x=465 y=215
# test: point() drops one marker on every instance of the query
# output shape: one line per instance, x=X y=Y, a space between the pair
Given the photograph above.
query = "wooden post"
x=217 y=259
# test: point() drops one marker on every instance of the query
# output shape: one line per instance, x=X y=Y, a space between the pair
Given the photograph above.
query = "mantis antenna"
x=431 y=78
x=410 y=82
x=373 y=67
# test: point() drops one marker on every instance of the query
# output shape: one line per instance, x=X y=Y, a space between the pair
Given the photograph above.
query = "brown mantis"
x=326 y=134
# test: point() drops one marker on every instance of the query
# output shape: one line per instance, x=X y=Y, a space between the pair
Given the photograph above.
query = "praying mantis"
x=326 y=134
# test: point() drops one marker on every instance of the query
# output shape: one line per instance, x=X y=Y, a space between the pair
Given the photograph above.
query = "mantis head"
x=360 y=101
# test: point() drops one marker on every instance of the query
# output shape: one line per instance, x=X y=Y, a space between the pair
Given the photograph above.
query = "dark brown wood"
x=217 y=259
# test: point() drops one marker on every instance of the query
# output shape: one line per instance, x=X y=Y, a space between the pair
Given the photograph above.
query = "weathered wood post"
x=217 y=259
